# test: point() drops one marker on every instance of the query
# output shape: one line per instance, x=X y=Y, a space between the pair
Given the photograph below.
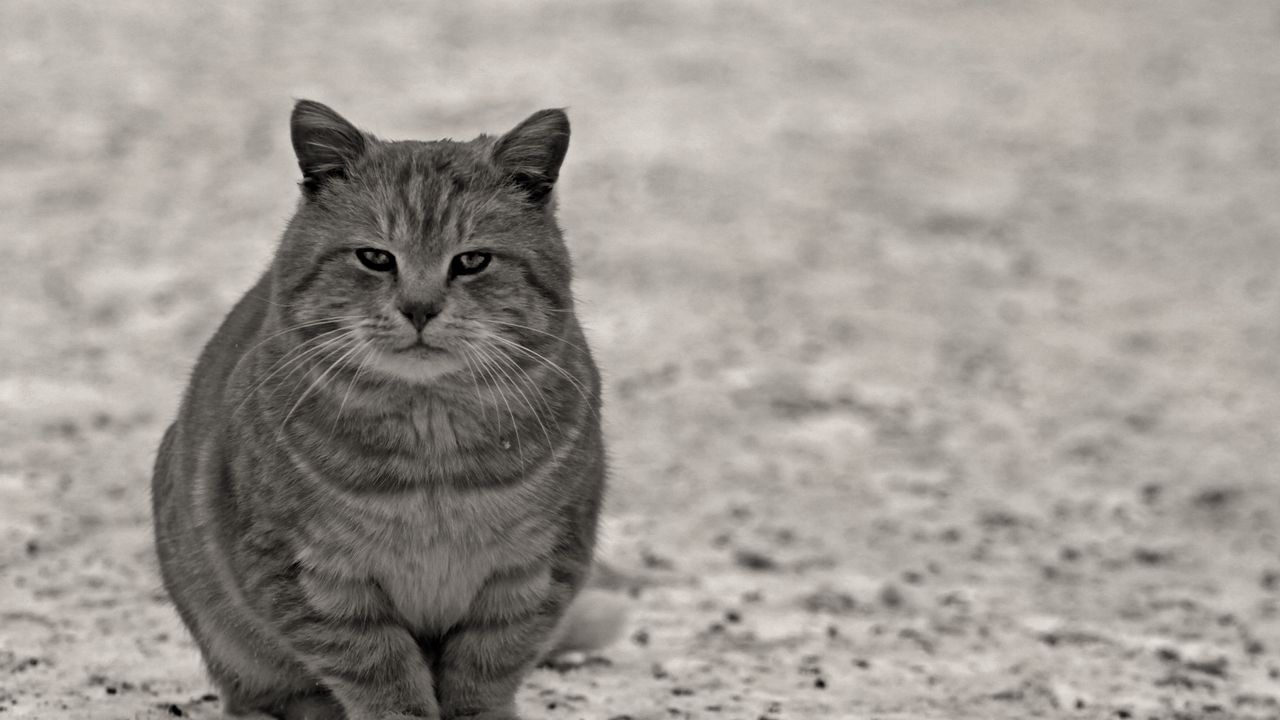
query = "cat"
x=380 y=496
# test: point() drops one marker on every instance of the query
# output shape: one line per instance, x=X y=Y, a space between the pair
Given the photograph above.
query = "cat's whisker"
x=543 y=361
x=582 y=390
x=475 y=381
x=540 y=332
x=350 y=351
x=532 y=385
x=310 y=343
x=549 y=410
x=304 y=351
x=528 y=403
x=320 y=354
x=498 y=388
x=333 y=347
x=369 y=352
x=515 y=427
x=300 y=326
x=267 y=299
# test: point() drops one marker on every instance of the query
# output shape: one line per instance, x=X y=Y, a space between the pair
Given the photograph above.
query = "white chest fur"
x=432 y=555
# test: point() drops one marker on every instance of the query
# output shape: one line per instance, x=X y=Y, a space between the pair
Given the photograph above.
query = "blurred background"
x=940 y=338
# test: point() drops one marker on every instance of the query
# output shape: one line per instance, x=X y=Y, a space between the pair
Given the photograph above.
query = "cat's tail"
x=595 y=619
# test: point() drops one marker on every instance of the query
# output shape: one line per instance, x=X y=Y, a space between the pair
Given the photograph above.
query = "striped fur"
x=347 y=520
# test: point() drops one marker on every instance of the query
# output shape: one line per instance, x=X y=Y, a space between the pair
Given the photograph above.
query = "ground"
x=940 y=339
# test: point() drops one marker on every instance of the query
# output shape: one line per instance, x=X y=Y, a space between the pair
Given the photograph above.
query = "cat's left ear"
x=531 y=154
x=324 y=142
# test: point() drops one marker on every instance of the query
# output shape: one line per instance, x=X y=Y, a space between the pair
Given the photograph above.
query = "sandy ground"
x=941 y=337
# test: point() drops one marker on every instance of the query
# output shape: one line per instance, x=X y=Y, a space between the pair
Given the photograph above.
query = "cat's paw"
x=313 y=707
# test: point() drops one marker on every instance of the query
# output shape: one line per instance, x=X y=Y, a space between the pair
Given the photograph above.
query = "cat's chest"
x=432 y=556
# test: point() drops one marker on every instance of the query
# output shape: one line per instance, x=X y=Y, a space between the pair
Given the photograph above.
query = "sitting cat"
x=381 y=490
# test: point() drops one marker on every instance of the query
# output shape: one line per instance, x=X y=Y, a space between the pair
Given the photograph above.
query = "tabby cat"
x=379 y=498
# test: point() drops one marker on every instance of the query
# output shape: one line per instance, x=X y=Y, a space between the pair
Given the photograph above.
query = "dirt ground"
x=941 y=338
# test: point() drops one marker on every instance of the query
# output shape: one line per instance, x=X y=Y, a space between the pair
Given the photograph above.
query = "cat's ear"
x=324 y=142
x=531 y=154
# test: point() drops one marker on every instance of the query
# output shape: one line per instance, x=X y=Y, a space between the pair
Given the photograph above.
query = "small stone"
x=832 y=602
x=1217 y=667
x=655 y=561
x=754 y=560
x=1152 y=556
x=891 y=596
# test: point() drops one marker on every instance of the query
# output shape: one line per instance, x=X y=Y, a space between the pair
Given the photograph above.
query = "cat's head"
x=420 y=259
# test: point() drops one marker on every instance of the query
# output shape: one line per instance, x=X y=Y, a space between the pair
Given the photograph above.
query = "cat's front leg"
x=483 y=659
x=343 y=632
x=375 y=673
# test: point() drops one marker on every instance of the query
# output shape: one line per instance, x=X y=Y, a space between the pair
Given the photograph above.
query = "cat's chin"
x=418 y=365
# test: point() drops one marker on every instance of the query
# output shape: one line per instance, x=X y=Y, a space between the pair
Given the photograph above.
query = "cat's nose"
x=419 y=313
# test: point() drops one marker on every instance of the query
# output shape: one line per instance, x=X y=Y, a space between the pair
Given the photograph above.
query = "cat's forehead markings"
x=397 y=225
x=430 y=192
x=416 y=205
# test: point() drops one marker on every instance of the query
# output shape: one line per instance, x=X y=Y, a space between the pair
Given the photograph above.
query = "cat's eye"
x=377 y=260
x=469 y=263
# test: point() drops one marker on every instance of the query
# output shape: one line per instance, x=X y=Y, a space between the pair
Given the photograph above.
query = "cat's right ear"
x=324 y=143
x=532 y=153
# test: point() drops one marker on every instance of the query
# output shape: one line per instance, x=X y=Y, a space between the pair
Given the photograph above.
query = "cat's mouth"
x=418 y=362
x=421 y=349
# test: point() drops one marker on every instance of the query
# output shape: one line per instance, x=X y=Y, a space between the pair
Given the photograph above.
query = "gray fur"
x=344 y=520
